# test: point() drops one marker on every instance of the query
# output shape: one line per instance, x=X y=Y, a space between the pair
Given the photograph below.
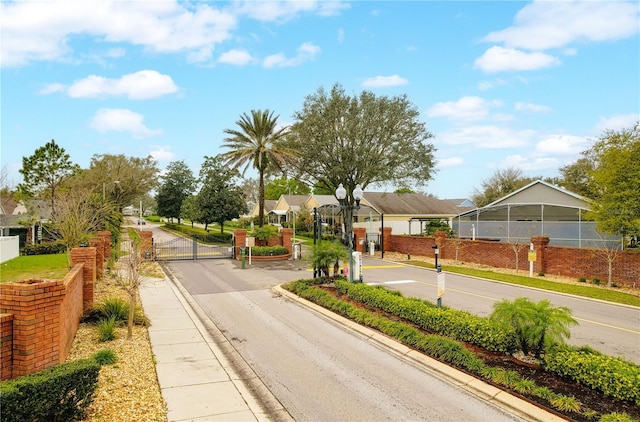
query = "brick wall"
x=35 y=305
x=40 y=317
x=6 y=346
x=558 y=260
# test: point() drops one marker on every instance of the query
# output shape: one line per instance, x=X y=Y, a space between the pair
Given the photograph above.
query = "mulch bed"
x=588 y=398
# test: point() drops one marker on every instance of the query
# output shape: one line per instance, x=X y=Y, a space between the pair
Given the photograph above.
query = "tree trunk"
x=261 y=199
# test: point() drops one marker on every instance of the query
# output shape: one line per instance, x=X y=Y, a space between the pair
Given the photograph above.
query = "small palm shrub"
x=325 y=254
x=537 y=326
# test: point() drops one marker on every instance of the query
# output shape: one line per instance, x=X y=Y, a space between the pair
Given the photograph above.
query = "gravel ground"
x=127 y=390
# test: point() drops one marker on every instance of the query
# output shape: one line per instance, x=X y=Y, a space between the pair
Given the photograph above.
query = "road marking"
x=608 y=326
x=386 y=283
x=382 y=266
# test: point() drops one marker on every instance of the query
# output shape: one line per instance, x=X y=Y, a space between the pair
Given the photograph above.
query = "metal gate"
x=183 y=248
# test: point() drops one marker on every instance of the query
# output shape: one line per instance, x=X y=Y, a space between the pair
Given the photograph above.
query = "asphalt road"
x=317 y=369
x=611 y=328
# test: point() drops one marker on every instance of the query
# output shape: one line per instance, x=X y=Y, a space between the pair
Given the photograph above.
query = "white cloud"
x=306 y=52
x=236 y=57
x=42 y=31
x=52 y=88
x=384 y=81
x=142 y=85
x=449 y=162
x=282 y=11
x=122 y=120
x=561 y=145
x=340 y=35
x=486 y=137
x=617 y=122
x=162 y=153
x=543 y=25
x=530 y=163
x=532 y=108
x=466 y=108
x=487 y=85
x=500 y=59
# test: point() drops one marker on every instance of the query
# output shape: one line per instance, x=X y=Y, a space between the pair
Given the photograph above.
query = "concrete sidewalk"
x=201 y=376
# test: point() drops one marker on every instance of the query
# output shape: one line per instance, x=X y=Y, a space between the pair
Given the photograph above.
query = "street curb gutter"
x=475 y=386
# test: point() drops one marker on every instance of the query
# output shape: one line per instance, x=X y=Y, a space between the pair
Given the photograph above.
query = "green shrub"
x=541 y=273
x=582 y=280
x=60 y=393
x=45 y=248
x=565 y=403
x=265 y=232
x=269 y=251
x=458 y=325
x=617 y=417
x=537 y=325
x=115 y=308
x=105 y=357
x=107 y=329
x=614 y=377
x=596 y=281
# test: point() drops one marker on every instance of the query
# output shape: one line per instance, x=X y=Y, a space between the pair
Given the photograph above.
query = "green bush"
x=269 y=250
x=611 y=376
x=458 y=325
x=115 y=308
x=60 y=393
x=617 y=417
x=265 y=232
x=105 y=357
x=45 y=248
x=107 y=329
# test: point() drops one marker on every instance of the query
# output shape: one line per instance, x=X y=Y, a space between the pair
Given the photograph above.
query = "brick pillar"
x=386 y=237
x=240 y=237
x=106 y=235
x=360 y=233
x=539 y=245
x=35 y=305
x=286 y=235
x=98 y=243
x=87 y=257
x=440 y=238
x=146 y=247
x=6 y=346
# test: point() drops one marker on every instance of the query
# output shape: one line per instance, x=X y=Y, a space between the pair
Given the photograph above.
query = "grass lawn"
x=34 y=266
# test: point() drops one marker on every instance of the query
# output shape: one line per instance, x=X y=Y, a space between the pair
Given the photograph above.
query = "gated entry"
x=183 y=248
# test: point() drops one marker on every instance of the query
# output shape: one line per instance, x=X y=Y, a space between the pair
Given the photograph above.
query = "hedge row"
x=60 y=393
x=269 y=250
x=45 y=248
x=439 y=347
x=454 y=353
x=218 y=237
x=611 y=376
x=452 y=323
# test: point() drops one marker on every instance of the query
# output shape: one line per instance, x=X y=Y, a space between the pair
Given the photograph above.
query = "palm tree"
x=257 y=143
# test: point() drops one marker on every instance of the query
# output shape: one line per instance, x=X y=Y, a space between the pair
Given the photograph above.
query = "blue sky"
x=499 y=84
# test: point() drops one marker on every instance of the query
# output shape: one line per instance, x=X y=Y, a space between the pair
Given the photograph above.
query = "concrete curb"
x=475 y=386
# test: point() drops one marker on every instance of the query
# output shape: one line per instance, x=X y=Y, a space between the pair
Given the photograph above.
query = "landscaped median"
x=478 y=347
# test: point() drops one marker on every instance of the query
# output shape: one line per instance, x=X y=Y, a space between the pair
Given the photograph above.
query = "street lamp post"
x=104 y=187
x=341 y=194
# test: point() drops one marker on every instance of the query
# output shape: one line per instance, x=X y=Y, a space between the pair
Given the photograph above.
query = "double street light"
x=341 y=194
